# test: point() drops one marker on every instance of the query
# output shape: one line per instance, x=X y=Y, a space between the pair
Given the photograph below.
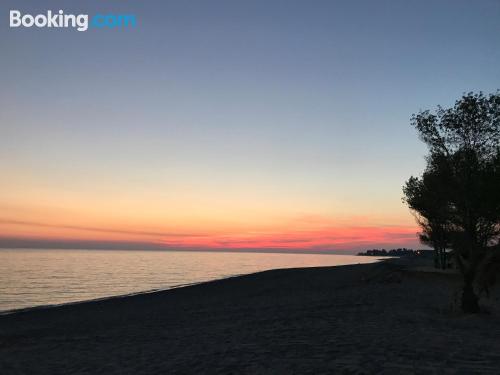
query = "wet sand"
x=363 y=319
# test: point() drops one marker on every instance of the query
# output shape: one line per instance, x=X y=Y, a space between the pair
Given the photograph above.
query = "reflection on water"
x=43 y=277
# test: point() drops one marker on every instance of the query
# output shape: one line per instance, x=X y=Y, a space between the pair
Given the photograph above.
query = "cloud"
x=323 y=235
x=98 y=229
x=332 y=238
x=44 y=243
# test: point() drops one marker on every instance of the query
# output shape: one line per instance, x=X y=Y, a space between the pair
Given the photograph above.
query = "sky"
x=272 y=124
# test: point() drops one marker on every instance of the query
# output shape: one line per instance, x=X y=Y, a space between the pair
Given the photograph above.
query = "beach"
x=386 y=317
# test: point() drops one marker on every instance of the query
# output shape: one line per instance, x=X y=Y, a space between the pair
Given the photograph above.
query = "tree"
x=426 y=196
x=457 y=198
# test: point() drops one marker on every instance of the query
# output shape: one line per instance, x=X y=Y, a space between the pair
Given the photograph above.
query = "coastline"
x=38 y=278
x=368 y=318
x=118 y=296
x=132 y=294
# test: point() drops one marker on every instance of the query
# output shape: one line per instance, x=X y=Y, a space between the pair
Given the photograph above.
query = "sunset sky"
x=229 y=124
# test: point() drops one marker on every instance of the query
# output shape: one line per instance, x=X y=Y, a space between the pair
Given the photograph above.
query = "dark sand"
x=378 y=318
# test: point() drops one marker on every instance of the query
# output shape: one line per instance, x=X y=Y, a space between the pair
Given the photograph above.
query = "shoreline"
x=118 y=296
x=98 y=295
x=133 y=294
x=366 y=318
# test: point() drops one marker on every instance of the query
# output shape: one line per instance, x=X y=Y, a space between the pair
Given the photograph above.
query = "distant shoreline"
x=231 y=251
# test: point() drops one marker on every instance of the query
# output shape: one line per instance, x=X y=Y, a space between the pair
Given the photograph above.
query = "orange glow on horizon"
x=307 y=233
x=219 y=223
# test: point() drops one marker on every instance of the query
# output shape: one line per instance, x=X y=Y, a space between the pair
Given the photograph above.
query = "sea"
x=30 y=278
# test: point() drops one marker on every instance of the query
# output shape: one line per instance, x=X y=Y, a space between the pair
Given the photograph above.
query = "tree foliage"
x=457 y=199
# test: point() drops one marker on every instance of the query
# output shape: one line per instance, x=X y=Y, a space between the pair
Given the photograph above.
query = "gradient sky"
x=229 y=124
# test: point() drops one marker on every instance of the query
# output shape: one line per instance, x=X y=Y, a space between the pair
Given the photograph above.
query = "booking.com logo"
x=80 y=22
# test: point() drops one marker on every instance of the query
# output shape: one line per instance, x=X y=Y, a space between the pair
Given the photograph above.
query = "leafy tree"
x=426 y=196
x=457 y=199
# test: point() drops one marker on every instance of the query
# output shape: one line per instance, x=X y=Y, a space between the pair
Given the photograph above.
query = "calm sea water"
x=45 y=277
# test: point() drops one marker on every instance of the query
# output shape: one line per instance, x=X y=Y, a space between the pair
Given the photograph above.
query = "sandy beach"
x=363 y=319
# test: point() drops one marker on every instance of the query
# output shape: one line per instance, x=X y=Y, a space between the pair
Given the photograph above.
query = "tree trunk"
x=469 y=299
x=436 y=257
x=443 y=259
